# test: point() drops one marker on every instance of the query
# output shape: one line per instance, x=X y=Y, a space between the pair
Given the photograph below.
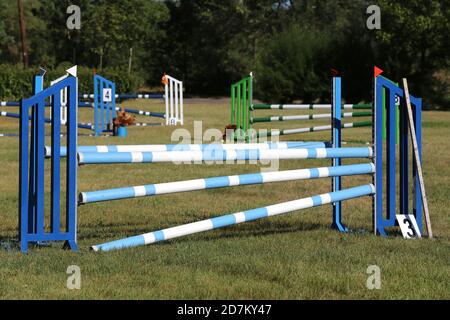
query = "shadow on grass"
x=259 y=229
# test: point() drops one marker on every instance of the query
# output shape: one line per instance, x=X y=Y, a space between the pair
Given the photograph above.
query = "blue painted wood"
x=384 y=219
x=71 y=167
x=40 y=168
x=391 y=163
x=101 y=105
x=417 y=103
x=103 y=111
x=336 y=140
x=55 y=211
x=24 y=192
x=96 y=109
x=404 y=164
x=378 y=151
x=30 y=202
x=38 y=86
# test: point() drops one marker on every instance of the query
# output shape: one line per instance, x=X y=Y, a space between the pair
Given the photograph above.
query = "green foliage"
x=212 y=43
x=295 y=256
x=4 y=37
x=414 y=43
x=292 y=66
x=17 y=82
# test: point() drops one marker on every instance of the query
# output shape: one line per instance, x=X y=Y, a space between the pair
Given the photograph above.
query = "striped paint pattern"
x=308 y=106
x=191 y=147
x=9 y=135
x=9 y=104
x=85 y=105
x=309 y=117
x=17 y=104
x=87 y=126
x=9 y=114
x=145 y=124
x=143 y=113
x=224 y=181
x=276 y=132
x=216 y=155
x=128 y=96
x=236 y=218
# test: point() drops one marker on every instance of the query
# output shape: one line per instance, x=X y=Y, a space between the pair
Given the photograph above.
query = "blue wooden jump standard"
x=32 y=174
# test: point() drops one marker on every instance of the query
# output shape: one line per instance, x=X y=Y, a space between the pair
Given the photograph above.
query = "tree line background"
x=291 y=45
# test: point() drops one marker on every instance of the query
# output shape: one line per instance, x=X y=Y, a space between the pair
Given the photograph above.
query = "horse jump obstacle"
x=38 y=85
x=32 y=206
x=105 y=103
x=242 y=108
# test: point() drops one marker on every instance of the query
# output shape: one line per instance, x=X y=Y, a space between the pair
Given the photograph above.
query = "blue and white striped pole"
x=9 y=104
x=127 y=96
x=134 y=111
x=146 y=124
x=87 y=126
x=224 y=181
x=17 y=104
x=223 y=155
x=10 y=114
x=307 y=106
x=236 y=218
x=143 y=113
x=278 y=132
x=191 y=147
x=308 y=117
x=9 y=135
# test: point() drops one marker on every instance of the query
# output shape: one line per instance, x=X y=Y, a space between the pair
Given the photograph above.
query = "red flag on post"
x=377 y=71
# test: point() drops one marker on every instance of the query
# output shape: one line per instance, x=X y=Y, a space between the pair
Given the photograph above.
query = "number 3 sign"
x=408 y=225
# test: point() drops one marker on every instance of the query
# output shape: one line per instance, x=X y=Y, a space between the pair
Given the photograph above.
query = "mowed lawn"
x=294 y=256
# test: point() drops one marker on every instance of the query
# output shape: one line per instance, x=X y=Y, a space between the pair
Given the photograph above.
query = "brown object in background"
x=123 y=119
x=227 y=128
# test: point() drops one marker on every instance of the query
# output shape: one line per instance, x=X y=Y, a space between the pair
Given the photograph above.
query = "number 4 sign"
x=107 y=95
x=408 y=225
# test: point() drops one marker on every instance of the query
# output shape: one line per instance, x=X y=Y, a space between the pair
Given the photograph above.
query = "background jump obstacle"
x=105 y=103
x=105 y=108
x=243 y=109
x=33 y=154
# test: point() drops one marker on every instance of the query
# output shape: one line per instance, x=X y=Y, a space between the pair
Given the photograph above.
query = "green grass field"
x=295 y=256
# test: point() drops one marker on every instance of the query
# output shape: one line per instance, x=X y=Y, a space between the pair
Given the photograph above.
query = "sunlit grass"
x=296 y=256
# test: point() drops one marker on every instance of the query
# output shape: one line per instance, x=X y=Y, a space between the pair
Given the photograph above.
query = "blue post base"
x=122 y=132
